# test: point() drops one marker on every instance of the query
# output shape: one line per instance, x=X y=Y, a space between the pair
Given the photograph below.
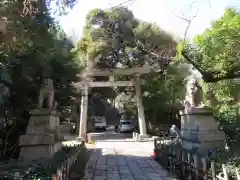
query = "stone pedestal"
x=143 y=136
x=42 y=138
x=200 y=131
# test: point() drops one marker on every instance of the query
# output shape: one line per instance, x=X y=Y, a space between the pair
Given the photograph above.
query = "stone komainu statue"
x=194 y=95
x=46 y=95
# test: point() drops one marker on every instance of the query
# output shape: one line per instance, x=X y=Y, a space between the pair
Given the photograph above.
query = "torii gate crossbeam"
x=84 y=85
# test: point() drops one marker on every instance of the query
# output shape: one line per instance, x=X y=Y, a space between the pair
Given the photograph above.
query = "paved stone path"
x=124 y=160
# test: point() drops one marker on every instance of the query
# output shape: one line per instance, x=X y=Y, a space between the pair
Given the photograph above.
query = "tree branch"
x=211 y=76
x=188 y=20
x=194 y=64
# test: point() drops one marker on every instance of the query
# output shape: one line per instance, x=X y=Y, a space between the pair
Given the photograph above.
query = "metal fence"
x=189 y=165
x=59 y=167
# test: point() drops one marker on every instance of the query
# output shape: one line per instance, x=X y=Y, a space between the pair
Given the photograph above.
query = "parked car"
x=126 y=126
x=100 y=123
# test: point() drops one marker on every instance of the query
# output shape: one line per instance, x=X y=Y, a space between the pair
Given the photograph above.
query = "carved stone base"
x=203 y=147
x=28 y=153
x=204 y=136
x=42 y=121
x=200 y=130
x=36 y=139
x=42 y=138
x=203 y=141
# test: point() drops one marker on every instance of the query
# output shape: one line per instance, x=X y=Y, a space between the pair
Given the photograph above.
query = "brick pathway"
x=123 y=161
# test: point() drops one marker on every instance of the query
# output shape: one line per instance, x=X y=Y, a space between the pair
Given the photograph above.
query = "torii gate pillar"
x=83 y=114
x=141 y=115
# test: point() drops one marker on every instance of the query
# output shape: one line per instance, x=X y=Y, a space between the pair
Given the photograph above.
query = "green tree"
x=36 y=47
x=218 y=47
x=223 y=38
x=111 y=37
x=115 y=38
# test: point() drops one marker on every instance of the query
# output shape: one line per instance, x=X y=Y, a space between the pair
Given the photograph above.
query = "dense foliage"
x=33 y=47
x=217 y=52
x=112 y=38
x=46 y=168
x=219 y=47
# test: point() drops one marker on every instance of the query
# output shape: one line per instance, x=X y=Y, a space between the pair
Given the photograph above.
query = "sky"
x=161 y=12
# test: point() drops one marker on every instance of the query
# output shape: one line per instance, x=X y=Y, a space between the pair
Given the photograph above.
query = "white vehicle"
x=100 y=123
x=126 y=126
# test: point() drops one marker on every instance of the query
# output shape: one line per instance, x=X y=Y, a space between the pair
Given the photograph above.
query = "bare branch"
x=209 y=2
x=187 y=20
x=182 y=18
x=188 y=26
x=191 y=5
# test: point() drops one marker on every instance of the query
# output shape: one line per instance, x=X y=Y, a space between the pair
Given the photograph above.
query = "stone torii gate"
x=87 y=83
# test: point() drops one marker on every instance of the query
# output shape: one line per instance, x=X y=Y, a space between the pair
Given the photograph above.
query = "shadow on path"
x=112 y=164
